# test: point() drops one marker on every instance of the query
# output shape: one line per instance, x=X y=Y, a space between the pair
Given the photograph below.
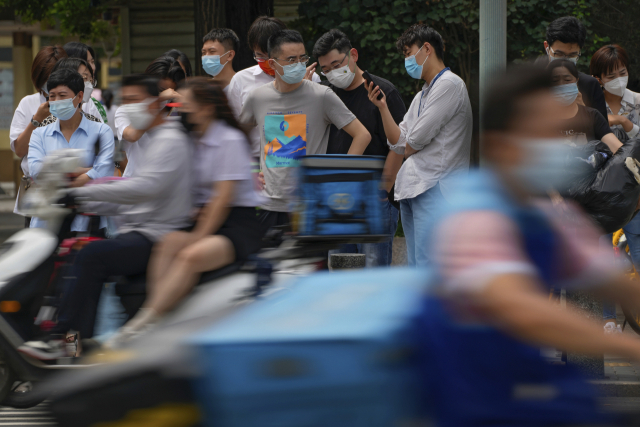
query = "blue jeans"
x=417 y=214
x=377 y=254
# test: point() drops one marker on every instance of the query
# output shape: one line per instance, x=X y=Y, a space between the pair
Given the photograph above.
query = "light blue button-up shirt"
x=47 y=139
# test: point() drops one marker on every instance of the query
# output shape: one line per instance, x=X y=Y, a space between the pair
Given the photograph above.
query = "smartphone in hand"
x=369 y=79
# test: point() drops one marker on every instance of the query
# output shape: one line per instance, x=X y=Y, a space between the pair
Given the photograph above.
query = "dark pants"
x=125 y=255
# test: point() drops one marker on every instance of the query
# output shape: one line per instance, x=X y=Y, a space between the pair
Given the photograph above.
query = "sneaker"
x=45 y=350
x=612 y=328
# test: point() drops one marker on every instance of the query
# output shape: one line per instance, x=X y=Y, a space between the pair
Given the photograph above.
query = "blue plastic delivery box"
x=334 y=349
x=340 y=195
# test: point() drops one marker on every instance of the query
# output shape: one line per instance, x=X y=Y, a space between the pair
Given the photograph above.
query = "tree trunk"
x=237 y=15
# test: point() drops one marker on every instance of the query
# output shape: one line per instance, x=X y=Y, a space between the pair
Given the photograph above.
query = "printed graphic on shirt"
x=573 y=138
x=287 y=140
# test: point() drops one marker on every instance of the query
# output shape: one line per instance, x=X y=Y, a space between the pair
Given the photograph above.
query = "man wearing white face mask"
x=294 y=115
x=153 y=201
x=434 y=136
x=71 y=130
x=338 y=61
x=218 y=50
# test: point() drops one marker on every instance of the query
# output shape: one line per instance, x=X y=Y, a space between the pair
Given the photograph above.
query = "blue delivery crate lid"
x=337 y=305
x=343 y=161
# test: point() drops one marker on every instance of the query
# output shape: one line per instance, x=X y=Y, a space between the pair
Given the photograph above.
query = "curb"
x=609 y=388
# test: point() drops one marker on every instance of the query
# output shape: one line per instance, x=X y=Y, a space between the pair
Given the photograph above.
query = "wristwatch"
x=35 y=123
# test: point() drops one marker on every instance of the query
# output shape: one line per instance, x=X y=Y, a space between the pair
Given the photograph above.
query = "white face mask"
x=617 y=86
x=139 y=114
x=341 y=77
x=88 y=88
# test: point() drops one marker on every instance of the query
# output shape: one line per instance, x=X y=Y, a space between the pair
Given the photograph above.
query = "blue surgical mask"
x=413 y=69
x=293 y=73
x=63 y=109
x=565 y=94
x=211 y=64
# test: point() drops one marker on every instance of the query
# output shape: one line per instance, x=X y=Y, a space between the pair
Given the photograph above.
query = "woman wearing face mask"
x=581 y=124
x=227 y=229
x=88 y=108
x=86 y=53
x=610 y=66
x=33 y=109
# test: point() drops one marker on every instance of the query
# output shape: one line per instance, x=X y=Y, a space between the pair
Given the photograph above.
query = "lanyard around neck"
x=430 y=86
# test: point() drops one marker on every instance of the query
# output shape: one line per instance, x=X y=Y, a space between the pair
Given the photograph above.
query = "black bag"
x=605 y=185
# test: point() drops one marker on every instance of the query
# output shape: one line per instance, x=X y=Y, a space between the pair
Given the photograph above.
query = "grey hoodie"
x=156 y=198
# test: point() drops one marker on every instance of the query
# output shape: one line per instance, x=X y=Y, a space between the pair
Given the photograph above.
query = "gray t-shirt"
x=292 y=125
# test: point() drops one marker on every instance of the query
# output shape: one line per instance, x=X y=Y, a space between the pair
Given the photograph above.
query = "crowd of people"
x=203 y=182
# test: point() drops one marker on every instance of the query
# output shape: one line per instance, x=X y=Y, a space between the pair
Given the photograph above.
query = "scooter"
x=28 y=262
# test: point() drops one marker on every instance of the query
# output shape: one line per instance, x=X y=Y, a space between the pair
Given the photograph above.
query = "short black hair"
x=280 y=38
x=261 y=30
x=569 y=65
x=72 y=64
x=79 y=50
x=182 y=58
x=418 y=34
x=66 y=77
x=332 y=39
x=146 y=81
x=503 y=103
x=228 y=38
x=567 y=29
x=166 y=67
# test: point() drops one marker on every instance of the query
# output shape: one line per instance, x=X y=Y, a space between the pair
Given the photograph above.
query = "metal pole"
x=493 y=47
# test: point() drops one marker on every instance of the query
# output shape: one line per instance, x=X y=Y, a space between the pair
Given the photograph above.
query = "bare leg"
x=208 y=253
x=163 y=256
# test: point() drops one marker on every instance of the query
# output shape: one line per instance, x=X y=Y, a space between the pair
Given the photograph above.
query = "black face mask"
x=185 y=122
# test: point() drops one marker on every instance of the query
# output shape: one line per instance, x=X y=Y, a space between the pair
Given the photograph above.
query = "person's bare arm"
x=391 y=167
x=361 y=137
x=515 y=304
x=612 y=142
x=22 y=141
x=391 y=128
x=132 y=135
x=217 y=210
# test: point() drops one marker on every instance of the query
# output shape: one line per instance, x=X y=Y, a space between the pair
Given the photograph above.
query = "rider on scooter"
x=153 y=201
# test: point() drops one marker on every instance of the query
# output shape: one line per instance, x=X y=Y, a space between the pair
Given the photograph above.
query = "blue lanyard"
x=430 y=86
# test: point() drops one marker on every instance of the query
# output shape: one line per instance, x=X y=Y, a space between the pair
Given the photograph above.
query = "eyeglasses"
x=259 y=58
x=335 y=66
x=293 y=60
x=562 y=55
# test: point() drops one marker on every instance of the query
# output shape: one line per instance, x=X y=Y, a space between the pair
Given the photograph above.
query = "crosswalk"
x=36 y=416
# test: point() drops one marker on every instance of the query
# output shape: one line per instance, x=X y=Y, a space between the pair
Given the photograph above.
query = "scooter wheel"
x=23 y=396
x=7 y=378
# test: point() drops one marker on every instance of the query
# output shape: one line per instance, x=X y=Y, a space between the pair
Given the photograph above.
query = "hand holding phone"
x=369 y=80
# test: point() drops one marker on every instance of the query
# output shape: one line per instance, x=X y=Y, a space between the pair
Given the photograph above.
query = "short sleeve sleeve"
x=121 y=122
x=19 y=122
x=473 y=247
x=335 y=112
x=600 y=124
x=234 y=158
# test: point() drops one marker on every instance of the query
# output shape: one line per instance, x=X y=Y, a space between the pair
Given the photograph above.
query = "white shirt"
x=629 y=108
x=90 y=108
x=135 y=150
x=222 y=154
x=241 y=84
x=111 y=118
x=439 y=124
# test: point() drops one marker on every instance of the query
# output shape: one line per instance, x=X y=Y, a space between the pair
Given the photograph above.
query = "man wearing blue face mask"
x=71 y=130
x=565 y=40
x=294 y=116
x=218 y=50
x=434 y=136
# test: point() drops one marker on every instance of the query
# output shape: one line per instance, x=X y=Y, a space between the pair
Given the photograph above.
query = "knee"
x=189 y=256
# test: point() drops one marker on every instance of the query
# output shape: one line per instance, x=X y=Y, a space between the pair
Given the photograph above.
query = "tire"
x=23 y=399
x=7 y=378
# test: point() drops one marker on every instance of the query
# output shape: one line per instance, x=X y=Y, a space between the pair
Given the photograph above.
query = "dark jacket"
x=592 y=93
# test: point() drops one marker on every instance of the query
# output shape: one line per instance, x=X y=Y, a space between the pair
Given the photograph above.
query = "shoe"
x=612 y=328
x=45 y=350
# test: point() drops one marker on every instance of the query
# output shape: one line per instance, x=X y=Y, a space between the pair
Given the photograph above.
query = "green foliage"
x=374 y=25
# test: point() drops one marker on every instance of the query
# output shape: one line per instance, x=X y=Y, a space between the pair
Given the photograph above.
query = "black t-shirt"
x=585 y=126
x=357 y=100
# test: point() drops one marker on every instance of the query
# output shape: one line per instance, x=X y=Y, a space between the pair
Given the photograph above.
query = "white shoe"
x=612 y=328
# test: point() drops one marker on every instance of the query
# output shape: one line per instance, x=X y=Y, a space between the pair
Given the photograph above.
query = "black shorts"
x=244 y=230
